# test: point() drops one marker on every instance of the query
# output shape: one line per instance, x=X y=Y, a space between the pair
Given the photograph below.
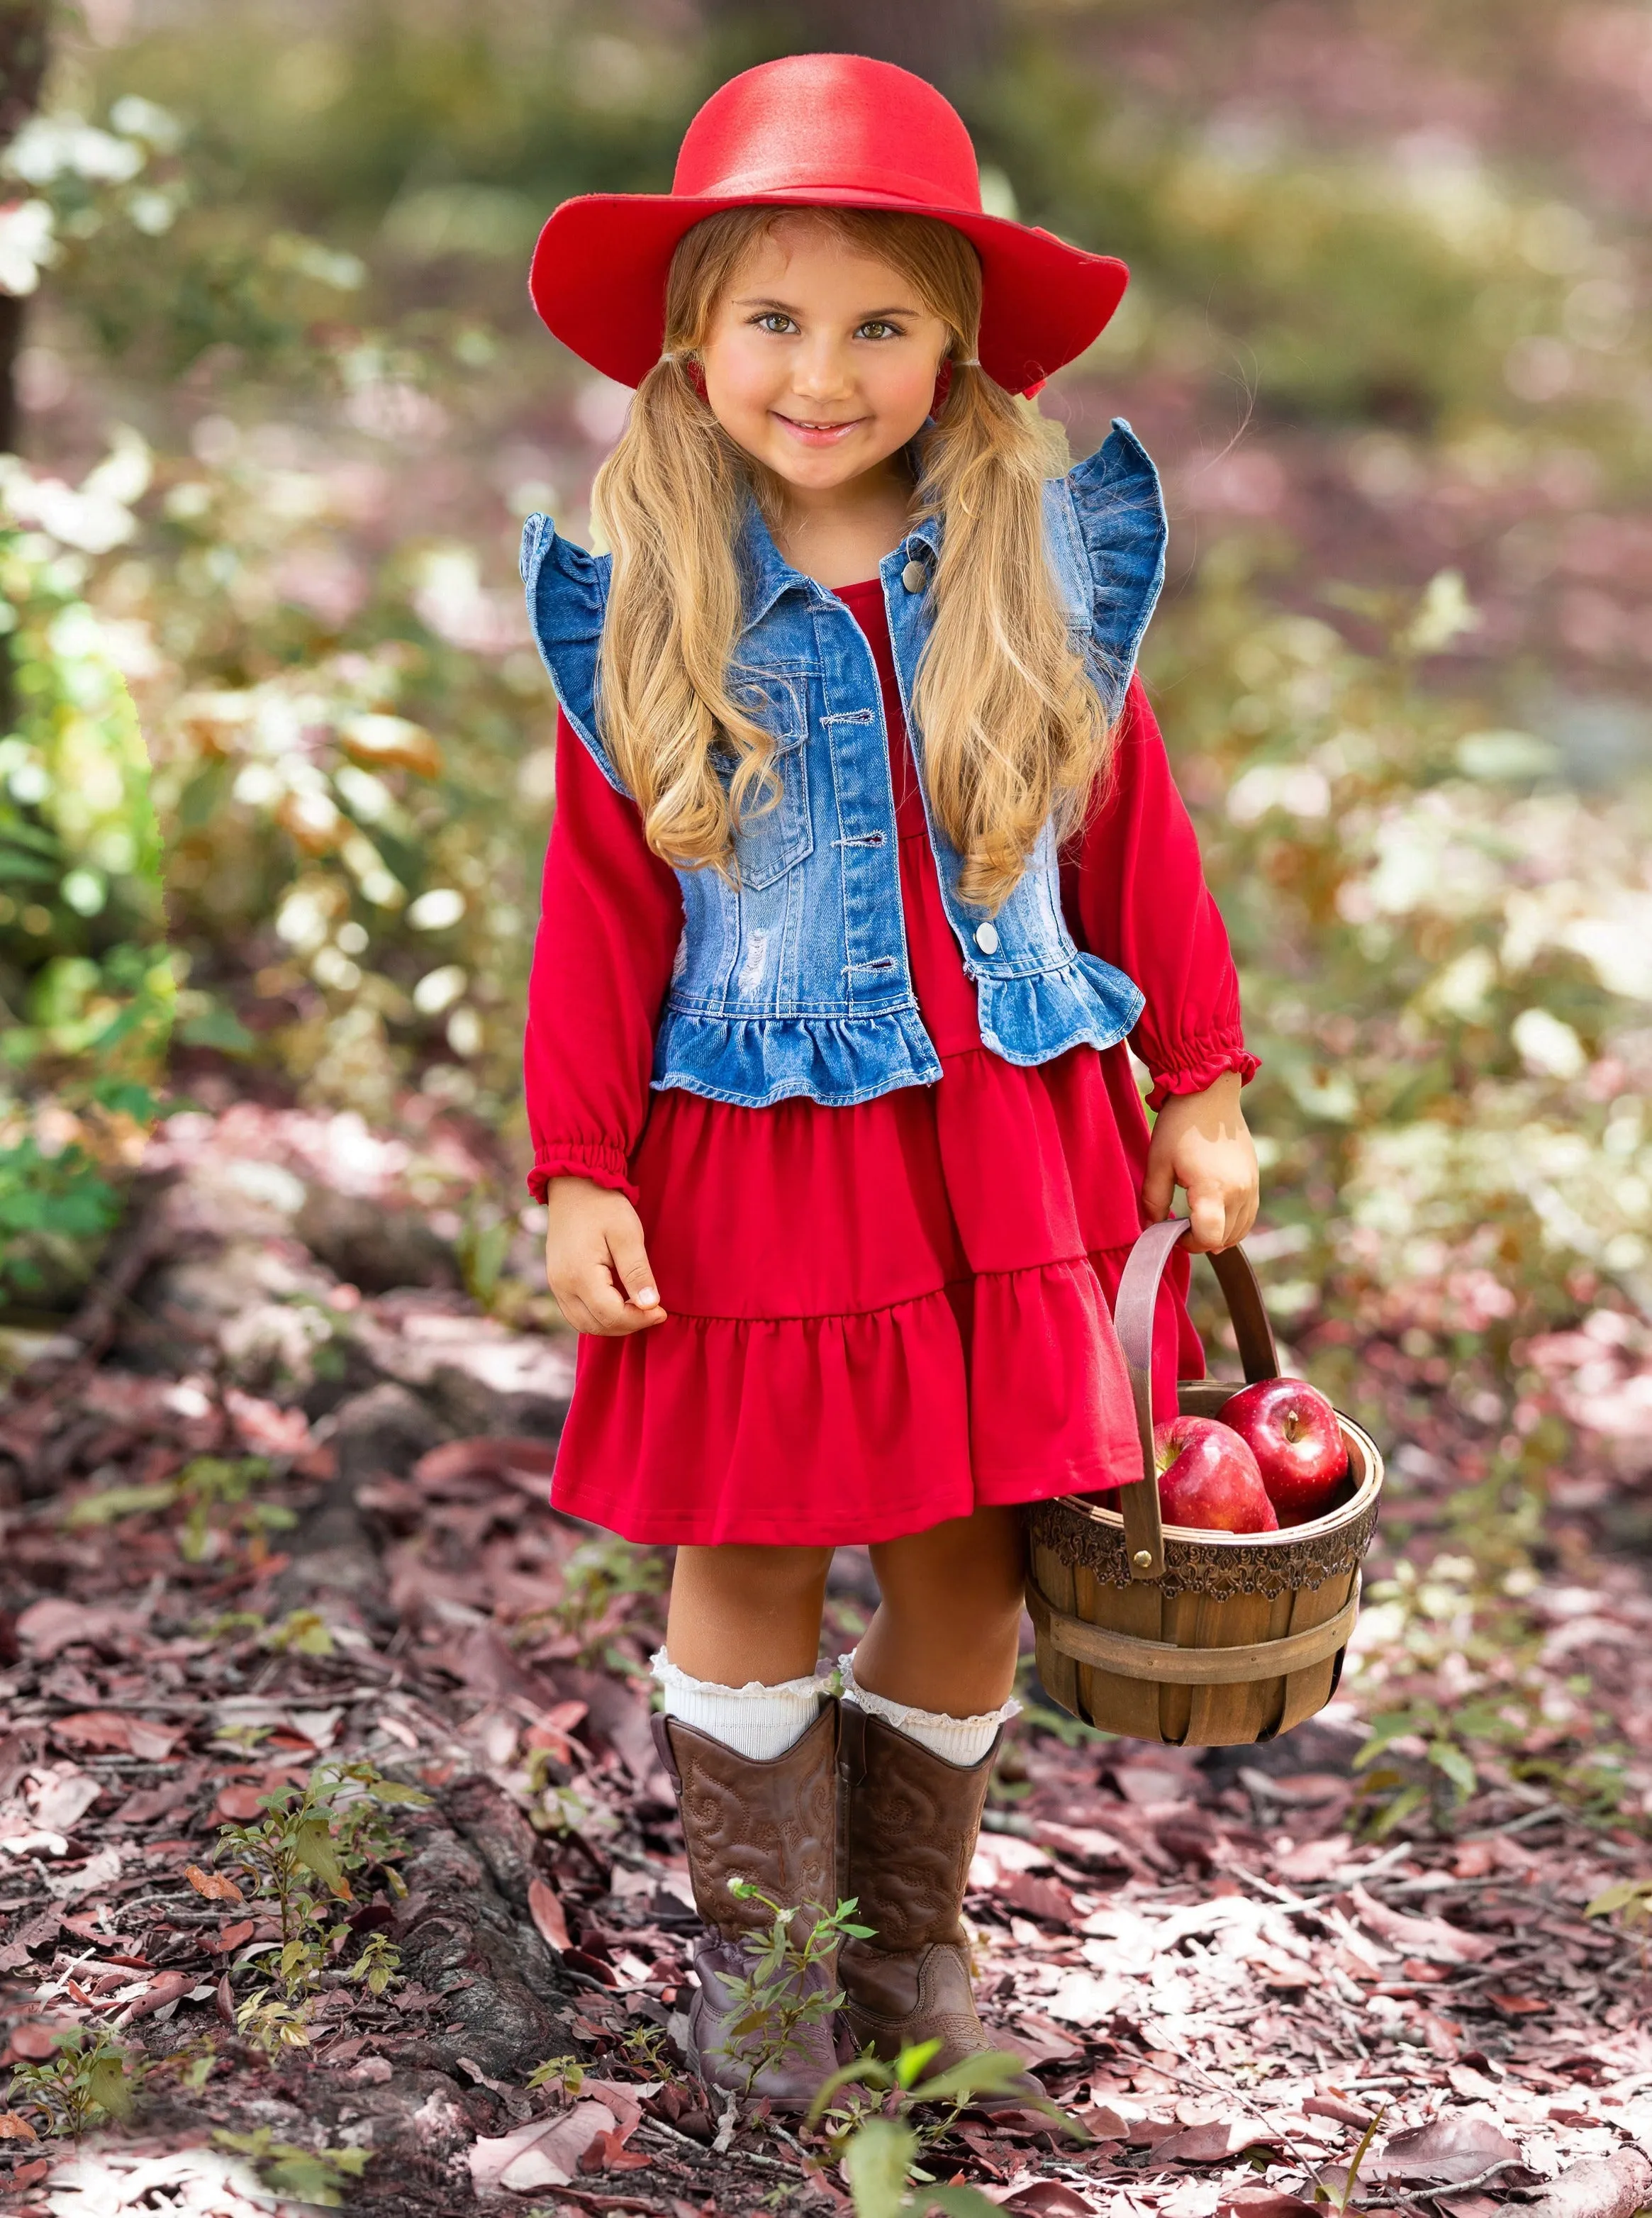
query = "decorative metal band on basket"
x=1078 y=1538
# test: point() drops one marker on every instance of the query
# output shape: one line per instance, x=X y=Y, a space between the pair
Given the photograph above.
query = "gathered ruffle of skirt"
x=1005 y=1387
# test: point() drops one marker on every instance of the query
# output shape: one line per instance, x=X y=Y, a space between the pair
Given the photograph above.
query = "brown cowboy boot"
x=907 y=1825
x=775 y=1824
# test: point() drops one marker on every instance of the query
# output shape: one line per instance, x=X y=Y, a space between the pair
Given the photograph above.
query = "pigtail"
x=1014 y=731
x=668 y=500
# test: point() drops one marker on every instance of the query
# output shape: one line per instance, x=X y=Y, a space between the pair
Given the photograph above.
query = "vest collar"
x=765 y=574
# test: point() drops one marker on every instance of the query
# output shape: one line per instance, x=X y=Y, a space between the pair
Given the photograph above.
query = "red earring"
x=696 y=376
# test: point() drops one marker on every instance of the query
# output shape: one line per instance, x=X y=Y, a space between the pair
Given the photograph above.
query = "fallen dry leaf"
x=1045 y=2199
x=1213 y=2143
x=54 y=1623
x=93 y=1729
x=16 y=2128
x=1456 y=2147
x=217 y=1886
x=624 y=2098
x=549 y=1916
x=545 y=2152
x=60 y=1795
x=1431 y=1938
x=237 y=1803
x=607 y=2152
x=265 y=1427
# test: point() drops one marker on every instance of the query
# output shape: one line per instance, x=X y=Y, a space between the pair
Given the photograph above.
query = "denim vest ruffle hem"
x=796 y=980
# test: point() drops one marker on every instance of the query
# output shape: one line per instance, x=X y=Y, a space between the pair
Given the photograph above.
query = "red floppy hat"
x=816 y=131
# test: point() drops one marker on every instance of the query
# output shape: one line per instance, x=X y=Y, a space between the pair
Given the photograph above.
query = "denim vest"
x=796 y=980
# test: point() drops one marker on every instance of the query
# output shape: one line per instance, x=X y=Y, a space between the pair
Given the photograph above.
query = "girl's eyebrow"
x=786 y=308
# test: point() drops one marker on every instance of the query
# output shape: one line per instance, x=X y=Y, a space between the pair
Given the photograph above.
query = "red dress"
x=881 y=1315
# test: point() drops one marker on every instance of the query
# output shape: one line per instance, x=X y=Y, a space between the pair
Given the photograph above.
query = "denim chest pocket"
x=766 y=846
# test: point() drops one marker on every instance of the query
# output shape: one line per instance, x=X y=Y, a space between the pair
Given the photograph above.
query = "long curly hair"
x=1014 y=732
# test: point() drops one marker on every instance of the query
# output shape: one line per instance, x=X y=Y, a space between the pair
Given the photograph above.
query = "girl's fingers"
x=1209 y=1217
x=611 y=1314
x=1158 y=1187
x=574 y=1309
x=608 y=1306
x=630 y=1263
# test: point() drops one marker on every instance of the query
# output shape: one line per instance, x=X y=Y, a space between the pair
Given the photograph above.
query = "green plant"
x=1443 y=1734
x=902 y=2089
x=482 y=1247
x=314 y=2176
x=597 y=1577
x=378 y=1963
x=51 y=1205
x=1628 y=1900
x=566 y=2074
x=885 y=2180
x=216 y=1495
x=89 y=2075
x=881 y=2155
x=780 y=1998
x=337 y=1825
x=1341 y=2202
x=648 y=2049
x=305 y=1631
x=270 y=2025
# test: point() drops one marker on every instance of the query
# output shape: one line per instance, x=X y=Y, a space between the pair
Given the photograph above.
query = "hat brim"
x=599 y=270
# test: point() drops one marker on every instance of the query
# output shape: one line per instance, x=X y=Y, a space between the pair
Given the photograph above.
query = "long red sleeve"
x=610 y=918
x=1134 y=892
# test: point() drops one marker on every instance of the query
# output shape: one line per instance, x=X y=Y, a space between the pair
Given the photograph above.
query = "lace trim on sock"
x=675 y=1680
x=905 y=1716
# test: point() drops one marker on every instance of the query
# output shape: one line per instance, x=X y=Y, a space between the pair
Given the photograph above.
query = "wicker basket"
x=1207 y=1639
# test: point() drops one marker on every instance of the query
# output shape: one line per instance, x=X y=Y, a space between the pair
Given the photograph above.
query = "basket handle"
x=1133 y=1317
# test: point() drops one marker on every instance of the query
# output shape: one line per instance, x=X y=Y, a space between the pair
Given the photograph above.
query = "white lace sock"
x=959 y=1740
x=754 y=1720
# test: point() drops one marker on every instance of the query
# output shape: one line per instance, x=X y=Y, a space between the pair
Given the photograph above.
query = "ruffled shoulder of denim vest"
x=1109 y=533
x=568 y=599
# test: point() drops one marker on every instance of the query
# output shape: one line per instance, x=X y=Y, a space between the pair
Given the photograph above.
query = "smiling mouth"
x=818 y=428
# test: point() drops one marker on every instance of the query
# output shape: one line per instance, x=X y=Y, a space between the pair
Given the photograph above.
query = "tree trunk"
x=948 y=41
x=23 y=42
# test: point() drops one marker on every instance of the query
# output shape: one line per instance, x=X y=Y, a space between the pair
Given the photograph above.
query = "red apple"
x=1292 y=1431
x=1207 y=1478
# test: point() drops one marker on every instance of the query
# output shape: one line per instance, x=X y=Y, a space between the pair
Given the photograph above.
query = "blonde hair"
x=1013 y=730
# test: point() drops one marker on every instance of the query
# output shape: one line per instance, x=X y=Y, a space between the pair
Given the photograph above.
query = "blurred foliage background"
x=280 y=404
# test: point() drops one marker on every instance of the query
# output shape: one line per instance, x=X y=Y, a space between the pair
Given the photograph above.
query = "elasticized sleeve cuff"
x=1195 y=1064
x=604 y=1165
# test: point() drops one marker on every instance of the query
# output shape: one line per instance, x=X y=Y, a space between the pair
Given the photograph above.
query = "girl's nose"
x=820 y=371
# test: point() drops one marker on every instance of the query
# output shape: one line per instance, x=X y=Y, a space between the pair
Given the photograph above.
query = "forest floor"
x=276 y=1505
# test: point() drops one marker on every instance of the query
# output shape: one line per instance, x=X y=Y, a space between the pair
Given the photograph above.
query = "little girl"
x=867 y=862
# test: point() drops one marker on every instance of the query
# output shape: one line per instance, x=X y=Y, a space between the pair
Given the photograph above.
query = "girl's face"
x=821 y=362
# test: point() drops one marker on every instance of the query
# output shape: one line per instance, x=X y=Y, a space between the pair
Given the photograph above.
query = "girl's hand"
x=1201 y=1143
x=595 y=1261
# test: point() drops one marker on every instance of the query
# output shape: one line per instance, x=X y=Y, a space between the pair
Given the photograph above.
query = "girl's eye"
x=773 y=320
x=878 y=329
